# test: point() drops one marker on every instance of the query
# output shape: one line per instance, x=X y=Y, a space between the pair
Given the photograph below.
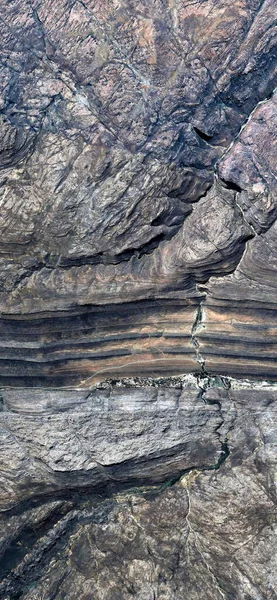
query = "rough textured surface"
x=138 y=259
x=85 y=532
x=108 y=435
x=138 y=145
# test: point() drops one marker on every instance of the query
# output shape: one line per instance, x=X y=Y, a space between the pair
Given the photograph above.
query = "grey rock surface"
x=208 y=531
x=138 y=261
x=137 y=164
x=64 y=440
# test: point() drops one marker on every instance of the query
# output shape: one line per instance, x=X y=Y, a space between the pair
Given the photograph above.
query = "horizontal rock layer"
x=138 y=245
x=137 y=162
x=157 y=338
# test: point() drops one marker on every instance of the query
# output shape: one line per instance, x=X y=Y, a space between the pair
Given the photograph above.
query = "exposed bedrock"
x=74 y=327
x=137 y=155
x=73 y=524
x=138 y=260
x=154 y=339
x=69 y=440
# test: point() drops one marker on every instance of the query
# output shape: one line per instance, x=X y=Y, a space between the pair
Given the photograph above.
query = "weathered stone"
x=144 y=434
x=211 y=535
x=137 y=275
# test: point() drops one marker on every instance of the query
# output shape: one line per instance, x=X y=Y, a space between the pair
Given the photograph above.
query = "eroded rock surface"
x=138 y=260
x=138 y=145
x=136 y=435
x=77 y=527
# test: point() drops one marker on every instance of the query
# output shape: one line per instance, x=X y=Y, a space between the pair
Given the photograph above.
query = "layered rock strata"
x=137 y=164
x=137 y=295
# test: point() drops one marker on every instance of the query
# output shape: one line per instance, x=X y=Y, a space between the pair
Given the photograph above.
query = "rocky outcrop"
x=113 y=435
x=138 y=299
x=77 y=526
x=122 y=126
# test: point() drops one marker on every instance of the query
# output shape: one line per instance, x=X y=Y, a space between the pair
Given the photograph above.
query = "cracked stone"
x=138 y=300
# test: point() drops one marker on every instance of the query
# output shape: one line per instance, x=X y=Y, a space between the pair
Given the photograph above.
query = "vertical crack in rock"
x=195 y=328
x=137 y=174
x=49 y=547
x=33 y=560
x=254 y=232
x=223 y=439
x=192 y=533
x=244 y=125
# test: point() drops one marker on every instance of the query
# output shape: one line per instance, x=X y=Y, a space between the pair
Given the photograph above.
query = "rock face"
x=138 y=164
x=138 y=259
x=74 y=524
x=113 y=433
